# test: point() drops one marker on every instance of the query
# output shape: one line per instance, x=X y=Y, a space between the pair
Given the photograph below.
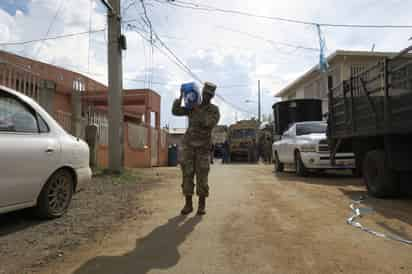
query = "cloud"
x=221 y=48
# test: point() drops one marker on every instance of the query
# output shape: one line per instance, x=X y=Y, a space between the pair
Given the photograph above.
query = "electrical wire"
x=148 y=22
x=274 y=43
x=193 y=6
x=169 y=84
x=51 y=38
x=50 y=26
x=90 y=39
x=177 y=61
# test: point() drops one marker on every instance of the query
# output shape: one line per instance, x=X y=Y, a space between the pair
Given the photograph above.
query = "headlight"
x=308 y=148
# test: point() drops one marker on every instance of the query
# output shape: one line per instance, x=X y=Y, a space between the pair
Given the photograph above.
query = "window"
x=15 y=116
x=310 y=128
x=355 y=69
x=330 y=82
x=289 y=132
x=244 y=133
x=43 y=127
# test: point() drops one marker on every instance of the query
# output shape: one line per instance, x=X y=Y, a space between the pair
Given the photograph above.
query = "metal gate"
x=20 y=79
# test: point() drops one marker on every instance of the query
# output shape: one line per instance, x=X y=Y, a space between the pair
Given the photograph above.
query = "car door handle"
x=49 y=150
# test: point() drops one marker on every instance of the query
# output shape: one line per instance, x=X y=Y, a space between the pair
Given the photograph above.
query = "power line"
x=151 y=55
x=207 y=8
x=187 y=70
x=275 y=43
x=50 y=26
x=170 y=84
x=90 y=29
x=147 y=20
x=51 y=38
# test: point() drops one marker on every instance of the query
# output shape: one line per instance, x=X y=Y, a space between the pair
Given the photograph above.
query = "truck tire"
x=279 y=167
x=301 y=170
x=381 y=181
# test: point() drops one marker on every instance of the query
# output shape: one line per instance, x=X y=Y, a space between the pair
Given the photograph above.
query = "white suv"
x=41 y=165
x=305 y=146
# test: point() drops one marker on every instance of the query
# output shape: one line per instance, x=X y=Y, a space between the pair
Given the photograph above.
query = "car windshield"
x=309 y=128
x=243 y=133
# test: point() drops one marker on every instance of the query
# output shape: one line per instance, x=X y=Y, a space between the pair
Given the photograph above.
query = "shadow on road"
x=330 y=178
x=158 y=250
x=17 y=221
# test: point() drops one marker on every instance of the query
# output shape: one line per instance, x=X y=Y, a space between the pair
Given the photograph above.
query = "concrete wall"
x=135 y=156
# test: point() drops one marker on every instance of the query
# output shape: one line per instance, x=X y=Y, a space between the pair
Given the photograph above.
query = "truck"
x=371 y=114
x=301 y=139
x=286 y=113
x=242 y=134
x=219 y=137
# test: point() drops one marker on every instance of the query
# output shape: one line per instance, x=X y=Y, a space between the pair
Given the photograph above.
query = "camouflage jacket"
x=201 y=122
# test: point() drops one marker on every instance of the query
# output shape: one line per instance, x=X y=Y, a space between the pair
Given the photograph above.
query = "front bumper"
x=315 y=160
x=84 y=176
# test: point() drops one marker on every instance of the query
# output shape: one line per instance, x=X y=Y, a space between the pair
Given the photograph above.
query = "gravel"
x=27 y=243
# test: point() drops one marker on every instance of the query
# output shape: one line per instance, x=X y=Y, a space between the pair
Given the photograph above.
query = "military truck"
x=371 y=113
x=241 y=136
x=219 y=137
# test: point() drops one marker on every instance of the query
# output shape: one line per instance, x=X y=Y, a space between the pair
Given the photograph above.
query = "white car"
x=305 y=146
x=41 y=165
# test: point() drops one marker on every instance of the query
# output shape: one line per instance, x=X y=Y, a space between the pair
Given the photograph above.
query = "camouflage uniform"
x=197 y=143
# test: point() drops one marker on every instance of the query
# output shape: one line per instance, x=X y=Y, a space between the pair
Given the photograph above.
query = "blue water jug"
x=191 y=95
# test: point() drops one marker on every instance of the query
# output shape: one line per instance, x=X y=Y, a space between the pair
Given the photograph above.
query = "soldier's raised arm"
x=177 y=108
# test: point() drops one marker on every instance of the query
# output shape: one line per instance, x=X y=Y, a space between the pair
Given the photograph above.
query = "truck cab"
x=242 y=136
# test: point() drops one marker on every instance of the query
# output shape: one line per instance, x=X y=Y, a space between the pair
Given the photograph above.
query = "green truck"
x=242 y=136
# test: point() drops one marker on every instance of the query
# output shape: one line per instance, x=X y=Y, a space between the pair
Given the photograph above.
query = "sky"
x=230 y=50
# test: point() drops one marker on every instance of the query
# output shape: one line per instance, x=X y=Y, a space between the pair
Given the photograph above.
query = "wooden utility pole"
x=115 y=87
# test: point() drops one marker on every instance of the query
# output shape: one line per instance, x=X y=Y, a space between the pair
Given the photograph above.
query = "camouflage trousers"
x=196 y=162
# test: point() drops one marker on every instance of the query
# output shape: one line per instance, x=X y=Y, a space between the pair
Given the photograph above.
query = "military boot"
x=188 y=208
x=202 y=206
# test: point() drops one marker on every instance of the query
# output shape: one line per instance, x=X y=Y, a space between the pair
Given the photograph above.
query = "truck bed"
x=375 y=102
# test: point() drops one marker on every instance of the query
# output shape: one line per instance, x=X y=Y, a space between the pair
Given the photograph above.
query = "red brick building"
x=64 y=93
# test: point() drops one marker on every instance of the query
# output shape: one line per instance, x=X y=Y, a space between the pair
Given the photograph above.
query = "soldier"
x=252 y=152
x=267 y=147
x=196 y=147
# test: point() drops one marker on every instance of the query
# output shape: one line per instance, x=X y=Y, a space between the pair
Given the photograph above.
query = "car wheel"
x=300 y=167
x=56 y=195
x=381 y=181
x=279 y=167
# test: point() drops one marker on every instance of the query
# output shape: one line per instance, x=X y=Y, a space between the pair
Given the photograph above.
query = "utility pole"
x=115 y=87
x=259 y=102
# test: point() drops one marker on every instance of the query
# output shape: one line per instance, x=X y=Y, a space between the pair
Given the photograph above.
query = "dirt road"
x=256 y=223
